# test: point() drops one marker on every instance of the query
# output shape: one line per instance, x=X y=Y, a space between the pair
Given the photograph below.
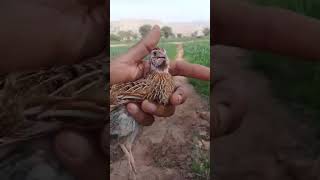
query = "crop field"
x=115 y=51
x=199 y=53
x=170 y=48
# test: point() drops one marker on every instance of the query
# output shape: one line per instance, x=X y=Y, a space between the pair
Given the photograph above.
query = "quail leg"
x=127 y=149
x=126 y=152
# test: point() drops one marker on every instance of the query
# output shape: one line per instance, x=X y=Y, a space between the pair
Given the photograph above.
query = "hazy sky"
x=164 y=10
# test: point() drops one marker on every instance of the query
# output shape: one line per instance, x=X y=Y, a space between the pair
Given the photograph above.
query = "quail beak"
x=163 y=65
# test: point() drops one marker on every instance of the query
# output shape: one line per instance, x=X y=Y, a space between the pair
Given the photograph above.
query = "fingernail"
x=179 y=99
x=151 y=107
x=133 y=109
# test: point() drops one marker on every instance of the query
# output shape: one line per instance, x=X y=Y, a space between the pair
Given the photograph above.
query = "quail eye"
x=154 y=53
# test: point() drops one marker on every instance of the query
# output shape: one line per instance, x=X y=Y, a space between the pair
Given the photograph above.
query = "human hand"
x=264 y=28
x=130 y=66
x=81 y=155
x=229 y=103
x=38 y=34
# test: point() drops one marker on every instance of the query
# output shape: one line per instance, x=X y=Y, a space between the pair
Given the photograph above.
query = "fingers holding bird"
x=157 y=109
x=139 y=115
x=180 y=94
x=144 y=113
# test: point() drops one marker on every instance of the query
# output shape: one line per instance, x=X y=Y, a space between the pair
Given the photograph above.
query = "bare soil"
x=167 y=149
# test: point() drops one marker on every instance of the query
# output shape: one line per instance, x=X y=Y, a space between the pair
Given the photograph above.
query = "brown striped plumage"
x=157 y=86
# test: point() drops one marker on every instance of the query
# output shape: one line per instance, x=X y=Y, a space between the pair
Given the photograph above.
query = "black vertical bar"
x=107 y=80
x=211 y=89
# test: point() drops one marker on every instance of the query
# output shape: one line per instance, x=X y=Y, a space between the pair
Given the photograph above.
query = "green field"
x=295 y=81
x=199 y=53
x=196 y=51
x=170 y=48
x=115 y=51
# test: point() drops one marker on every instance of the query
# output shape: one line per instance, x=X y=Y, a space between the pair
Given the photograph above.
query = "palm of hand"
x=130 y=71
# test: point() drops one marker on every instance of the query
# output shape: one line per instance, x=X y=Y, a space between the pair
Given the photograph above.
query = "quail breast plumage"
x=157 y=86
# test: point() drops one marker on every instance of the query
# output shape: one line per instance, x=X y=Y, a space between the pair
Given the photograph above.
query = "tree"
x=167 y=31
x=126 y=35
x=179 y=35
x=114 y=37
x=144 y=29
x=206 y=31
x=135 y=36
x=130 y=35
x=123 y=35
x=194 y=34
x=161 y=34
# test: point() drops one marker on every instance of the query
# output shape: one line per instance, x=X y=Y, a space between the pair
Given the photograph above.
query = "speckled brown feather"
x=156 y=87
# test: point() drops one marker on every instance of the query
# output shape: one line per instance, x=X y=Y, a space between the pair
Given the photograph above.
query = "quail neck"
x=159 y=60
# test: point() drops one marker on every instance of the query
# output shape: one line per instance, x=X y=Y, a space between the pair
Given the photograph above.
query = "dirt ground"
x=270 y=143
x=167 y=149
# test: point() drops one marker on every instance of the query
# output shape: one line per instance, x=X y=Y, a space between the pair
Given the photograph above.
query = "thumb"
x=144 y=47
x=80 y=157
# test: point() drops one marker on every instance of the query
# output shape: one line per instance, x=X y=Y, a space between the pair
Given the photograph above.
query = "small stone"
x=182 y=157
x=188 y=164
x=206 y=144
x=203 y=133
x=204 y=115
x=204 y=123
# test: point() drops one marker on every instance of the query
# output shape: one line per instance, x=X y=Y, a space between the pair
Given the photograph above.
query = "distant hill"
x=185 y=28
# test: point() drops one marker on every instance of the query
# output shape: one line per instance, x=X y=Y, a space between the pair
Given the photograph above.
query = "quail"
x=157 y=86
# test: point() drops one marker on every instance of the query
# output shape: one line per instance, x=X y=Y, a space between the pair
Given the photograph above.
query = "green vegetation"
x=294 y=81
x=115 y=51
x=114 y=37
x=171 y=50
x=166 y=32
x=143 y=30
x=206 y=31
x=198 y=52
x=200 y=165
x=184 y=39
x=167 y=35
